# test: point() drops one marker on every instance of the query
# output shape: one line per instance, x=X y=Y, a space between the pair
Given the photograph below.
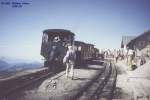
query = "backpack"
x=71 y=56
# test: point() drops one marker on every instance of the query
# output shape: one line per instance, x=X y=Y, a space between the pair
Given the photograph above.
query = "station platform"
x=59 y=87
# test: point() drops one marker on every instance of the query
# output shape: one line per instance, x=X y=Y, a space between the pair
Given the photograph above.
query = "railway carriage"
x=84 y=52
x=54 y=47
x=90 y=51
x=80 y=52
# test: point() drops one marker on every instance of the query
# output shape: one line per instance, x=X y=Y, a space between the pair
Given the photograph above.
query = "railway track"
x=109 y=86
x=102 y=88
x=4 y=95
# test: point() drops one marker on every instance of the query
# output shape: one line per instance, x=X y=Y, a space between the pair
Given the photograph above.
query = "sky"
x=100 y=22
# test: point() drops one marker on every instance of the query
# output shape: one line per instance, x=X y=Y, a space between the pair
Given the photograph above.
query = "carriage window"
x=45 y=38
x=79 y=48
x=65 y=38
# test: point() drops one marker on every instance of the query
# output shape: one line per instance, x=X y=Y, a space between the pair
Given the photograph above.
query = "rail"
x=17 y=88
x=98 y=87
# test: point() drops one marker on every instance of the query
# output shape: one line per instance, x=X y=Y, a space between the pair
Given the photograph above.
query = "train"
x=54 y=47
x=85 y=52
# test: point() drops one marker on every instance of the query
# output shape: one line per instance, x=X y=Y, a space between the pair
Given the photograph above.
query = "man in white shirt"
x=69 y=60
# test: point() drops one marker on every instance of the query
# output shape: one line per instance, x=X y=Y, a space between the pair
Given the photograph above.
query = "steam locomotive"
x=54 y=47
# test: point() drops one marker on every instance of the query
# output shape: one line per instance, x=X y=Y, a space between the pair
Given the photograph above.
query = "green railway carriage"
x=85 y=52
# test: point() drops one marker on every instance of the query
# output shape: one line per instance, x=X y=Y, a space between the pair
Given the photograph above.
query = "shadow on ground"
x=77 y=78
x=87 y=64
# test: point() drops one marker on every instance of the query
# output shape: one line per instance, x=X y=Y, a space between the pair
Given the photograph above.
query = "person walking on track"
x=69 y=60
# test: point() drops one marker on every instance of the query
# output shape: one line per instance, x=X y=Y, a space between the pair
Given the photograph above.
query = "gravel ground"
x=123 y=88
x=132 y=84
x=61 y=88
x=142 y=71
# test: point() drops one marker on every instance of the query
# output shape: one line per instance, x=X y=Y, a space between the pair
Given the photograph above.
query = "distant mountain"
x=3 y=65
x=25 y=66
x=13 y=60
x=15 y=64
x=10 y=66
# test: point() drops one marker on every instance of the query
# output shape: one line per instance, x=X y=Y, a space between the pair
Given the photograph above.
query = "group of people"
x=120 y=54
x=133 y=58
x=112 y=54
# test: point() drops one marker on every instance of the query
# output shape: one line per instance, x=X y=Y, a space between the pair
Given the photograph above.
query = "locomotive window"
x=45 y=38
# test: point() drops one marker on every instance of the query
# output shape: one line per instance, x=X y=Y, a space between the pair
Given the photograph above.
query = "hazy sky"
x=102 y=22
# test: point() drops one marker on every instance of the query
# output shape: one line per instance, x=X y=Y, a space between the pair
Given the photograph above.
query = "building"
x=125 y=41
x=141 y=43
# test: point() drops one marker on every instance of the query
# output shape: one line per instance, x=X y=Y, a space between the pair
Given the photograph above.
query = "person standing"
x=69 y=60
x=131 y=57
x=54 y=54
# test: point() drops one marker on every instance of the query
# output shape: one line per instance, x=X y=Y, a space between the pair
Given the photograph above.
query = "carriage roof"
x=79 y=42
x=90 y=44
x=63 y=32
x=83 y=43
